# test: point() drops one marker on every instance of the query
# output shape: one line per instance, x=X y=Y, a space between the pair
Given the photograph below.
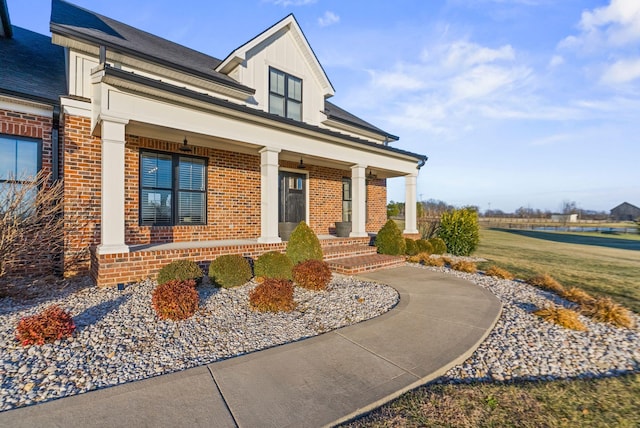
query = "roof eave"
x=65 y=31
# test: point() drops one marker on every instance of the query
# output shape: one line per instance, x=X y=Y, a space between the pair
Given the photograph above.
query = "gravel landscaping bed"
x=119 y=338
x=523 y=346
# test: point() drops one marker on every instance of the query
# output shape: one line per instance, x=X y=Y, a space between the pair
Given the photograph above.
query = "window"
x=19 y=162
x=172 y=189
x=285 y=95
x=346 y=199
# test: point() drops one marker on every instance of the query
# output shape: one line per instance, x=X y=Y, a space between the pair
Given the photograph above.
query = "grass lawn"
x=606 y=265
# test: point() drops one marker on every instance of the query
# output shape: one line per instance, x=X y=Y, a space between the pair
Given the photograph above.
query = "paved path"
x=320 y=381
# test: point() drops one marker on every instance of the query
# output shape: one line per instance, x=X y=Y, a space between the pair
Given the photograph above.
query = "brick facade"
x=13 y=123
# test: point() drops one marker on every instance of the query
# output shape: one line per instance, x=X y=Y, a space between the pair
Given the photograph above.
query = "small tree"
x=460 y=231
x=31 y=223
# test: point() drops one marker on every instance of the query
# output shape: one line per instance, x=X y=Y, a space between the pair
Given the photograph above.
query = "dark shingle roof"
x=336 y=113
x=78 y=23
x=32 y=67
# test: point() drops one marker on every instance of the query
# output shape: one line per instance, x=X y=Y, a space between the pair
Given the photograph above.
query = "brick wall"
x=376 y=204
x=82 y=191
x=37 y=127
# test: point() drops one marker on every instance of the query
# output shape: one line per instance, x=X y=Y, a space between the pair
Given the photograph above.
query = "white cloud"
x=555 y=61
x=329 y=18
x=622 y=71
x=614 y=25
x=463 y=53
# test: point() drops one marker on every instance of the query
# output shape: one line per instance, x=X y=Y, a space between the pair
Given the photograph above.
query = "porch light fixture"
x=301 y=165
x=371 y=175
x=185 y=147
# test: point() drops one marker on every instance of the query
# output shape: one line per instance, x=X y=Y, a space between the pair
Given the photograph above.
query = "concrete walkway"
x=320 y=381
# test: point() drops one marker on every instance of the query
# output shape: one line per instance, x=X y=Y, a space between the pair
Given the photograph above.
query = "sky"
x=517 y=103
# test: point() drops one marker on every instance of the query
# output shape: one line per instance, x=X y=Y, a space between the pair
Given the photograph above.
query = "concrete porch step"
x=364 y=263
x=344 y=251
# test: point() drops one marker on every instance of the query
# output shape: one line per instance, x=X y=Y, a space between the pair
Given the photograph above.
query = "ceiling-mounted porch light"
x=371 y=175
x=184 y=147
x=301 y=165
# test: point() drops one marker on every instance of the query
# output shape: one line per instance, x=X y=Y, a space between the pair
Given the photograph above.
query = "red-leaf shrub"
x=175 y=300
x=312 y=274
x=273 y=295
x=48 y=326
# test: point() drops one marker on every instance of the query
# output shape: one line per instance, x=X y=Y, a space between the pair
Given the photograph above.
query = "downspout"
x=55 y=144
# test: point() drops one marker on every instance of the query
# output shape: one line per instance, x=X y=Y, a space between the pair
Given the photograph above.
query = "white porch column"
x=358 y=196
x=410 y=219
x=269 y=195
x=112 y=182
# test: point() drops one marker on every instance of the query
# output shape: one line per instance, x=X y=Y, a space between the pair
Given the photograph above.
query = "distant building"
x=625 y=212
x=564 y=218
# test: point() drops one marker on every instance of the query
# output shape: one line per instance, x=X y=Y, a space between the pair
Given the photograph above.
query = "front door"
x=293 y=198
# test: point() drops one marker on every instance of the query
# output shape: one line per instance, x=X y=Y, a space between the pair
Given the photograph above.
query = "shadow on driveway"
x=568 y=238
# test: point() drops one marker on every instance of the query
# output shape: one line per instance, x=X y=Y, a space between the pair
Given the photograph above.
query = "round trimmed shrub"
x=273 y=265
x=52 y=324
x=411 y=247
x=438 y=246
x=273 y=295
x=180 y=270
x=424 y=246
x=303 y=244
x=390 y=240
x=230 y=270
x=312 y=274
x=175 y=300
x=460 y=231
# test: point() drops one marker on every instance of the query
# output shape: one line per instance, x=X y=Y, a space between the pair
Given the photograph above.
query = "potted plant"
x=285 y=229
x=343 y=229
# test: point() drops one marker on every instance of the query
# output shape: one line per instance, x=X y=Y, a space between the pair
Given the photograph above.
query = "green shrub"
x=52 y=324
x=303 y=245
x=273 y=265
x=229 y=271
x=424 y=246
x=460 y=231
x=312 y=274
x=390 y=240
x=411 y=247
x=175 y=300
x=438 y=246
x=180 y=270
x=273 y=295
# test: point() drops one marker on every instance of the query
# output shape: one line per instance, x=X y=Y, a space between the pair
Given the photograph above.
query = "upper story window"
x=172 y=189
x=285 y=95
x=19 y=161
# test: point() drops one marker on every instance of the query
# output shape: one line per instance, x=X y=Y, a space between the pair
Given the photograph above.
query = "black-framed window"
x=173 y=189
x=20 y=162
x=285 y=94
x=346 y=200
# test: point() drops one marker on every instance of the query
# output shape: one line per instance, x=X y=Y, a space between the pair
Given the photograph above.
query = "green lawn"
x=606 y=265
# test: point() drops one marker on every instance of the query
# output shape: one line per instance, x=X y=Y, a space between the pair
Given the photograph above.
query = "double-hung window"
x=346 y=199
x=285 y=95
x=173 y=189
x=19 y=163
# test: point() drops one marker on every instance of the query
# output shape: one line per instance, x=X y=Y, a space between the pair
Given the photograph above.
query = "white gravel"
x=119 y=339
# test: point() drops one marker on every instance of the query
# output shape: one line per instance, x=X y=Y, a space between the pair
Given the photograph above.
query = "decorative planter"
x=343 y=229
x=285 y=229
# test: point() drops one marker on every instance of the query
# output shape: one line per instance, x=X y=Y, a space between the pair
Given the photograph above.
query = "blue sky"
x=516 y=102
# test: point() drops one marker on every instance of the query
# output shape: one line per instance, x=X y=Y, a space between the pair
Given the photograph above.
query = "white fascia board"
x=151 y=68
x=24 y=106
x=239 y=55
x=228 y=124
x=75 y=107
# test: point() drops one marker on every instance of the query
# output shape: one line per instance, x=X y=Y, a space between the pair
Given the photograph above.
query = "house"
x=169 y=153
x=625 y=212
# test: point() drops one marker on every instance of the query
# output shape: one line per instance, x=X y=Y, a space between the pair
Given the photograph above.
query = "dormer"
x=284 y=71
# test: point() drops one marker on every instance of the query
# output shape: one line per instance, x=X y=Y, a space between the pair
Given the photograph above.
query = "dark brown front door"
x=293 y=198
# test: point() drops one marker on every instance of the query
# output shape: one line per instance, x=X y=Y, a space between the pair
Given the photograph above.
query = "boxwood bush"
x=390 y=240
x=303 y=245
x=180 y=270
x=273 y=265
x=229 y=271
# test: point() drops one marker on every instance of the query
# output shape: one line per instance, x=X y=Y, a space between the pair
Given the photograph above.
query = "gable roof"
x=81 y=24
x=32 y=67
x=336 y=113
x=288 y=23
x=627 y=205
x=5 y=22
